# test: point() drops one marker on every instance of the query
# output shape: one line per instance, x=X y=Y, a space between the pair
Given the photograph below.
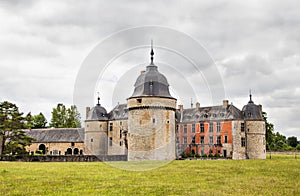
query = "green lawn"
x=277 y=176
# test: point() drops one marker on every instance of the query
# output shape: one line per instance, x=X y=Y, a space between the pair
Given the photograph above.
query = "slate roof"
x=252 y=112
x=190 y=115
x=57 y=134
x=151 y=83
x=97 y=113
x=120 y=112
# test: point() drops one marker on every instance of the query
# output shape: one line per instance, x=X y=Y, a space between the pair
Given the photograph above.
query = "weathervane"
x=152 y=52
x=98 y=99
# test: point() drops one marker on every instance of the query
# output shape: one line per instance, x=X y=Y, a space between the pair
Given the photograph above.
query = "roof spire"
x=98 y=99
x=250 y=97
x=152 y=53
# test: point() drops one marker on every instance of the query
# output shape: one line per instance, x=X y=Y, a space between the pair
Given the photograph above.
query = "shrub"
x=217 y=155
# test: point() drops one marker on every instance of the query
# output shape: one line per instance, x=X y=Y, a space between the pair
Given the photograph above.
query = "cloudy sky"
x=253 y=44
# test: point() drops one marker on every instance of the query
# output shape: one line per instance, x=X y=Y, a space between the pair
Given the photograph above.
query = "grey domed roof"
x=151 y=83
x=252 y=111
x=97 y=113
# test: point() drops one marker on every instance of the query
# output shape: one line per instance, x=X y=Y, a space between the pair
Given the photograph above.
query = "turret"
x=151 y=117
x=254 y=131
x=96 y=130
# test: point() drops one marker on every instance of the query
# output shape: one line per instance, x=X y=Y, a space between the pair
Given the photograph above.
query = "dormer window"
x=205 y=115
x=249 y=114
x=139 y=100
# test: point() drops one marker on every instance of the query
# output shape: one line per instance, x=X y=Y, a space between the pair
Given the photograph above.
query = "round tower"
x=255 y=131
x=96 y=130
x=151 y=117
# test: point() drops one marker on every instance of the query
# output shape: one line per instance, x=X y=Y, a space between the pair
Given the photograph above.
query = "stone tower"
x=151 y=117
x=96 y=130
x=255 y=131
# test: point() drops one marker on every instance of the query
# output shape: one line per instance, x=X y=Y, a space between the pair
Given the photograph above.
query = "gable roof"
x=189 y=115
x=57 y=134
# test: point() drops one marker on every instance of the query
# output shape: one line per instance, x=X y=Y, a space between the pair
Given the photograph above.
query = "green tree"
x=63 y=117
x=39 y=121
x=292 y=141
x=73 y=118
x=269 y=133
x=12 y=138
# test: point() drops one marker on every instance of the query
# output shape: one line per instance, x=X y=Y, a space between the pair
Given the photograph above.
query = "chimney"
x=180 y=107
x=225 y=102
x=87 y=111
x=143 y=71
x=198 y=105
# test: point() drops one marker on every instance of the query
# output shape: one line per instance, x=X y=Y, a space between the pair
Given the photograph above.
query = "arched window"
x=42 y=147
x=69 y=151
x=76 y=151
x=81 y=152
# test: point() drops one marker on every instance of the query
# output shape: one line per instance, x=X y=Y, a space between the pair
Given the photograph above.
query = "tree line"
x=13 y=124
x=278 y=142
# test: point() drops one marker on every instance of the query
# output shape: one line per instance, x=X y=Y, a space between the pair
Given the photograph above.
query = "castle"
x=150 y=127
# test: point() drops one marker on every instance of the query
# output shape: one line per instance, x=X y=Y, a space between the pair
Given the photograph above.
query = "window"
x=92 y=140
x=120 y=133
x=193 y=140
x=218 y=127
x=72 y=144
x=177 y=139
x=211 y=127
x=139 y=100
x=243 y=142
x=185 y=140
x=120 y=143
x=120 y=123
x=185 y=128
x=176 y=130
x=153 y=120
x=110 y=126
x=110 y=141
x=193 y=128
x=225 y=139
x=202 y=128
x=219 y=140
x=242 y=127
x=202 y=140
x=202 y=152
x=211 y=140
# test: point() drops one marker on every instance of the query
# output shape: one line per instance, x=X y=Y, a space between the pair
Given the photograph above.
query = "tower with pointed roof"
x=255 y=130
x=151 y=117
x=96 y=130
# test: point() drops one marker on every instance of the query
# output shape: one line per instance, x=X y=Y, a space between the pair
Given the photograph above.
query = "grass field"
x=278 y=176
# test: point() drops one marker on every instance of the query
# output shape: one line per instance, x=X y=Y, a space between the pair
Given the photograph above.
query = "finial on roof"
x=98 y=99
x=250 y=97
x=152 y=52
x=192 y=103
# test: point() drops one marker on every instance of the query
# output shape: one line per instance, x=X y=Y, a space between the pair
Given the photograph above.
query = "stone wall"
x=151 y=128
x=96 y=137
x=238 y=151
x=56 y=148
x=256 y=144
x=117 y=131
